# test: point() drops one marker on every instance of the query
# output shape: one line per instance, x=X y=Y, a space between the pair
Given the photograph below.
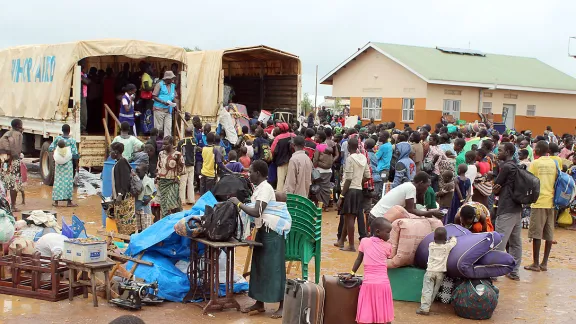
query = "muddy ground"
x=546 y=297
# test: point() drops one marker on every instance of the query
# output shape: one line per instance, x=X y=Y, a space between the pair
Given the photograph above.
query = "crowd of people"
x=464 y=176
x=145 y=99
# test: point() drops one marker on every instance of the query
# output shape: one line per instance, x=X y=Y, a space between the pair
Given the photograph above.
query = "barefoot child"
x=446 y=192
x=375 y=303
x=437 y=258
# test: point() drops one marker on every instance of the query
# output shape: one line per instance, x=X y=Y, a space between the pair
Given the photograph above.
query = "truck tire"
x=46 y=165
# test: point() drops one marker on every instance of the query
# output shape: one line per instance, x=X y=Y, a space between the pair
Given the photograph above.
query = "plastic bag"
x=6 y=226
x=565 y=218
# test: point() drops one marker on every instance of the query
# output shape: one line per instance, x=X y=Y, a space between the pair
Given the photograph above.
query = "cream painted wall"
x=358 y=79
x=547 y=104
x=468 y=97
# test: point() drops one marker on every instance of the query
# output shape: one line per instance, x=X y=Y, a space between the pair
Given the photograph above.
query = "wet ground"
x=545 y=297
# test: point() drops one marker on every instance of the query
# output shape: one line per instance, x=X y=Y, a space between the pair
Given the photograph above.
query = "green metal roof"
x=434 y=64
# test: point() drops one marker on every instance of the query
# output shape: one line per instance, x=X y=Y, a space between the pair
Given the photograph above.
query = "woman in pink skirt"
x=375 y=303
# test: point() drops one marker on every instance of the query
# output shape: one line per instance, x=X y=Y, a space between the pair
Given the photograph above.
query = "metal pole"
x=316 y=87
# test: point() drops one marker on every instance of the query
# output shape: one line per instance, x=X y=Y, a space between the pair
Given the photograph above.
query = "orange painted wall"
x=538 y=124
x=356 y=106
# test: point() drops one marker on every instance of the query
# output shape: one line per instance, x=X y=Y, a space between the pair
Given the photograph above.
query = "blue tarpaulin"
x=172 y=283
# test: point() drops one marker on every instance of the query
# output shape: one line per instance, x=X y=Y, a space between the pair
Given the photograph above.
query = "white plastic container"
x=85 y=252
x=264 y=116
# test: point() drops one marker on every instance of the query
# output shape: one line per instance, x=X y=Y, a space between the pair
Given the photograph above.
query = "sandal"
x=71 y=205
x=338 y=245
x=543 y=268
x=532 y=267
x=514 y=277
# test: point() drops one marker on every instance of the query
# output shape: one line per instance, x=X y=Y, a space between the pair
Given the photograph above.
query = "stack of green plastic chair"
x=304 y=240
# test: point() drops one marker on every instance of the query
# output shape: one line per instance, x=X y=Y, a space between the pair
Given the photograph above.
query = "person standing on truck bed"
x=84 y=96
x=127 y=107
x=10 y=149
x=165 y=99
x=63 y=187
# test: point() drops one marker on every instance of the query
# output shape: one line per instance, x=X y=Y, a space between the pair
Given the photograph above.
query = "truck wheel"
x=46 y=164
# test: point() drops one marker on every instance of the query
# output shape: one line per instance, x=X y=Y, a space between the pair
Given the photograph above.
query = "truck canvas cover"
x=35 y=80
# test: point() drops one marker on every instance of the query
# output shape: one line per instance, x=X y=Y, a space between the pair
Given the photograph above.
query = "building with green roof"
x=417 y=85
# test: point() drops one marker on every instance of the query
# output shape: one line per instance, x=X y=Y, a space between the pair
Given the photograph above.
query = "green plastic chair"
x=304 y=240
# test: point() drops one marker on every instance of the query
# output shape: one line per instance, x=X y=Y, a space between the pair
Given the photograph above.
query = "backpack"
x=266 y=153
x=472 y=304
x=136 y=186
x=563 y=189
x=220 y=221
x=526 y=187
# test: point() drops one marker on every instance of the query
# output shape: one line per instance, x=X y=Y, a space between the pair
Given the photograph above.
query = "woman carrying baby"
x=65 y=151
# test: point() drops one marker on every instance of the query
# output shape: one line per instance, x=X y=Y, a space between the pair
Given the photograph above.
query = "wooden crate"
x=21 y=275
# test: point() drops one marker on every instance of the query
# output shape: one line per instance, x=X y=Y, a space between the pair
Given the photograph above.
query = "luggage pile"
x=471 y=264
x=335 y=301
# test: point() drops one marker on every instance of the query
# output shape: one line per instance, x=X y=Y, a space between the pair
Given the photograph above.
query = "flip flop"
x=338 y=245
x=532 y=268
x=72 y=205
x=348 y=249
x=543 y=268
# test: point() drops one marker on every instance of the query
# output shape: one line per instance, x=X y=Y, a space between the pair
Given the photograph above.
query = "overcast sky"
x=321 y=32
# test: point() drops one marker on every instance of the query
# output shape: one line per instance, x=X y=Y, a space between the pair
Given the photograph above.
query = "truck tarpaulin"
x=204 y=69
x=35 y=80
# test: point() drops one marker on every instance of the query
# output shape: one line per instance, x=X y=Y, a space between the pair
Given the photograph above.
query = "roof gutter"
x=501 y=87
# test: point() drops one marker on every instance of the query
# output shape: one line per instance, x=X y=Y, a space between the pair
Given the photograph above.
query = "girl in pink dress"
x=375 y=303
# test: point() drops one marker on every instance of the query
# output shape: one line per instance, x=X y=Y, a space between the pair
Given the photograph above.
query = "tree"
x=306 y=104
x=195 y=49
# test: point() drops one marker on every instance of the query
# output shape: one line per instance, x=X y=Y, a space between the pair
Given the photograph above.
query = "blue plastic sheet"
x=174 y=245
x=173 y=284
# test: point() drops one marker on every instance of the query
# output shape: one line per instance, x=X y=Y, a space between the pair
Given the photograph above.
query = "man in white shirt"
x=405 y=196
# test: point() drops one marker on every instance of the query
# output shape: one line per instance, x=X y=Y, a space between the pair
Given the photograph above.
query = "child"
x=234 y=165
x=144 y=216
x=462 y=194
x=212 y=158
x=24 y=174
x=187 y=146
x=472 y=172
x=446 y=192
x=438 y=252
x=249 y=149
x=244 y=158
x=523 y=155
x=375 y=303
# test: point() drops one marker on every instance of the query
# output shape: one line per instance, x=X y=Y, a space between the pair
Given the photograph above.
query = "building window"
x=510 y=96
x=451 y=107
x=488 y=94
x=486 y=108
x=372 y=108
x=453 y=92
x=408 y=109
x=531 y=110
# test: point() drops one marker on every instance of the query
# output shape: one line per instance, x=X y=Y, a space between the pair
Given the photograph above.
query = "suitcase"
x=303 y=303
x=341 y=302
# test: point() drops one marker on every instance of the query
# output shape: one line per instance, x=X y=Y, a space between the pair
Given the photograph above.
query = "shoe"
x=513 y=276
x=419 y=311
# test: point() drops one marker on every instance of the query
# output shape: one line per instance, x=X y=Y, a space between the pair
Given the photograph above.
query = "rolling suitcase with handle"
x=303 y=303
x=341 y=299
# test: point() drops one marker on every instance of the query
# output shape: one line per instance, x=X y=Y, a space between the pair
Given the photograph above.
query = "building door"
x=451 y=107
x=509 y=115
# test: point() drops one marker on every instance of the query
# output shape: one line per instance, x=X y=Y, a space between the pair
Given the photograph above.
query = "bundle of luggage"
x=334 y=301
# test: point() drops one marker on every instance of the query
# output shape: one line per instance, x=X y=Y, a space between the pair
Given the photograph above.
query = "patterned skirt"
x=124 y=214
x=169 y=195
x=10 y=175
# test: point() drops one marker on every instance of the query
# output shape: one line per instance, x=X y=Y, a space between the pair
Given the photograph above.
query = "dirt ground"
x=546 y=297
